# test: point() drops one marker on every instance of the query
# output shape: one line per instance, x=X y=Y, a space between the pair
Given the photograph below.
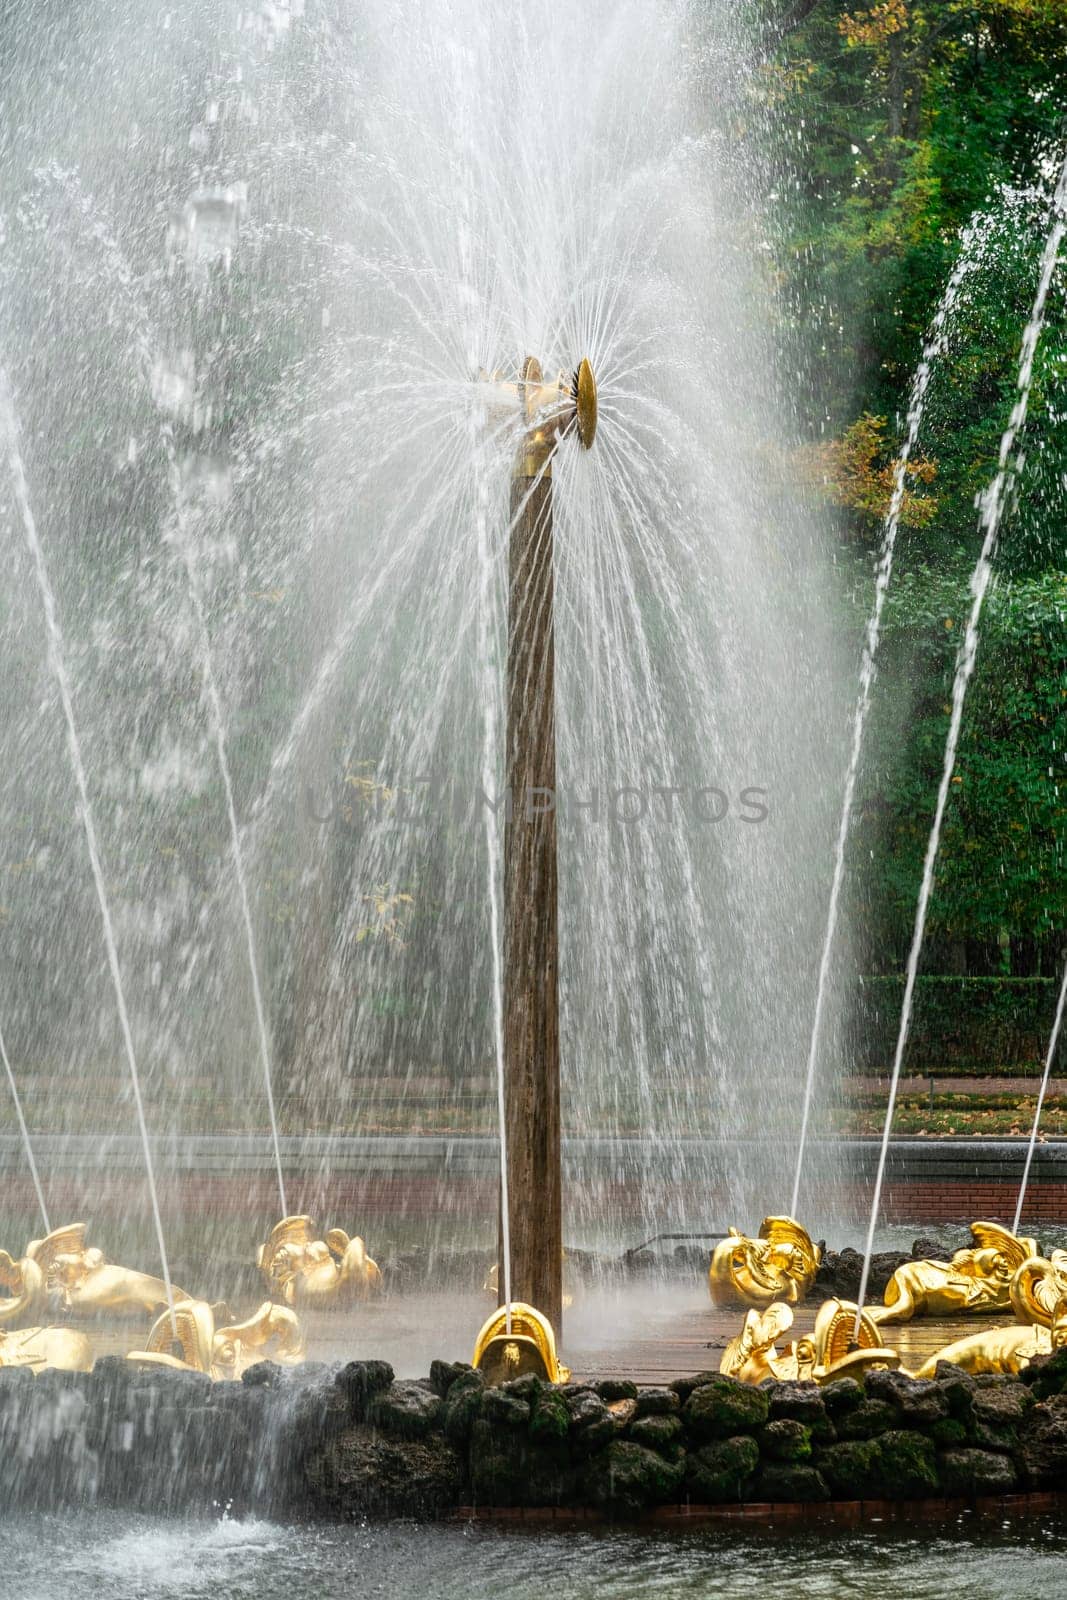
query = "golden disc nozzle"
x=550 y=411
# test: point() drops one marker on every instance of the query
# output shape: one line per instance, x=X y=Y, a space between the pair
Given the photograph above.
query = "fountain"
x=427 y=808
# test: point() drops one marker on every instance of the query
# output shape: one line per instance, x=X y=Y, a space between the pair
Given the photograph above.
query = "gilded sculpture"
x=779 y=1266
x=1038 y=1294
x=38 y=1348
x=978 y=1279
x=301 y=1269
x=25 y=1295
x=530 y=1346
x=831 y=1350
x=192 y=1342
x=78 y=1280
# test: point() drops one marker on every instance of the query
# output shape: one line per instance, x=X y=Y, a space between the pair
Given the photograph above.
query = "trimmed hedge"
x=970 y=1025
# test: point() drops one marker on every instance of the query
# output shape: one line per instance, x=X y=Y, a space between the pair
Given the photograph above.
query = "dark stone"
x=841 y=1395
x=359 y=1381
x=785 y=1439
x=466 y=1396
x=867 y=1420
x=658 y=1433
x=498 y=1464
x=853 y=1468
x=949 y=1431
x=683 y=1387
x=360 y=1473
x=657 y=1403
x=919 y=1401
x=615 y=1389
x=999 y=1413
x=443 y=1375
x=626 y=1478
x=527 y=1388
x=958 y=1387
x=782 y=1480
x=505 y=1410
x=722 y=1472
x=907 y=1465
x=592 y=1424
x=1042 y=1452
x=550 y=1420
x=1047 y=1375
x=803 y=1402
x=406 y=1409
x=724 y=1407
x=264 y=1375
x=974 y=1472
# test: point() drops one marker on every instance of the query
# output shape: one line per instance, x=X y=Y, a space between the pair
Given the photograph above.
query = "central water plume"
x=360 y=216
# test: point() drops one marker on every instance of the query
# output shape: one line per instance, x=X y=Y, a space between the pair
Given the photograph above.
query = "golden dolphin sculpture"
x=1039 y=1300
x=79 y=1280
x=976 y=1279
x=529 y=1347
x=272 y=1333
x=26 y=1295
x=300 y=1269
x=830 y=1351
x=780 y=1265
x=38 y=1348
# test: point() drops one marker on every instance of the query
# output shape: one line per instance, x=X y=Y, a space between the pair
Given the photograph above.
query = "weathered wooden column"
x=531 y=915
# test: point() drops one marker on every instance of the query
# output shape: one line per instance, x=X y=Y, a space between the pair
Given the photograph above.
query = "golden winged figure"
x=977 y=1279
x=300 y=1268
x=78 y=1278
x=779 y=1265
x=192 y=1341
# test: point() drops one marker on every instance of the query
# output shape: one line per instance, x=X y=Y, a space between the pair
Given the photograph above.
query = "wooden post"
x=531 y=936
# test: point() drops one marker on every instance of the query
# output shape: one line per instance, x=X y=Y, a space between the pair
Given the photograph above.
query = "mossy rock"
x=1045 y=1375
x=841 y=1395
x=615 y=1389
x=949 y=1432
x=505 y=1410
x=656 y=1402
x=657 y=1432
x=919 y=1402
x=788 y=1480
x=785 y=1439
x=443 y=1375
x=466 y=1396
x=625 y=1479
x=550 y=1420
x=975 y=1472
x=683 y=1387
x=853 y=1469
x=497 y=1462
x=406 y=1409
x=866 y=1421
x=722 y=1471
x=908 y=1465
x=724 y=1407
x=999 y=1412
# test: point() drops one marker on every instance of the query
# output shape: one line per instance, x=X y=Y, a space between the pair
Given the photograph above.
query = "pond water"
x=127 y=1558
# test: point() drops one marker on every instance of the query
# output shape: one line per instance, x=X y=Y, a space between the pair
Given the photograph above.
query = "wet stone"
x=505 y=1410
x=626 y=1478
x=657 y=1432
x=657 y=1402
x=785 y=1439
x=359 y=1381
x=407 y=1409
x=724 y=1407
x=781 y=1480
x=723 y=1471
x=977 y=1472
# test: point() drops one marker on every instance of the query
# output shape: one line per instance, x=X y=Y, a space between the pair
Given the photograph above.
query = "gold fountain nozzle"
x=550 y=410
